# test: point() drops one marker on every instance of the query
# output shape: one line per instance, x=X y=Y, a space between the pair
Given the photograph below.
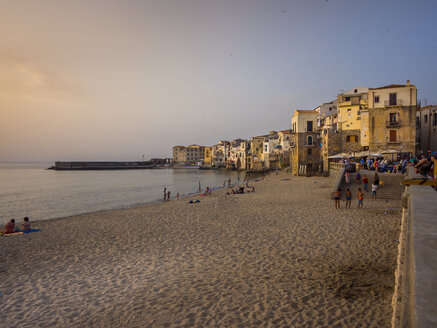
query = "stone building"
x=221 y=152
x=305 y=144
x=392 y=118
x=256 y=161
x=426 y=129
x=179 y=155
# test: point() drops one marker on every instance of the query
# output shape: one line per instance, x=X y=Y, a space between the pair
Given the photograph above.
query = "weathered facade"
x=426 y=129
x=179 y=155
x=195 y=154
x=305 y=144
x=207 y=161
x=392 y=118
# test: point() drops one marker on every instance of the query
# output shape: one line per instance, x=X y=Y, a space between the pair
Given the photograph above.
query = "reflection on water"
x=28 y=189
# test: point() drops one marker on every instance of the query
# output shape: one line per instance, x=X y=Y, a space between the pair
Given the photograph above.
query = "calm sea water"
x=31 y=190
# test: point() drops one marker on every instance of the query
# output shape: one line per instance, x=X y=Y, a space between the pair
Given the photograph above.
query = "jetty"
x=104 y=165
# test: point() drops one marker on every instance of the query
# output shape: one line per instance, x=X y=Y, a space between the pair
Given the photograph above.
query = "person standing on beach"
x=347 y=178
x=229 y=182
x=165 y=193
x=365 y=183
x=168 y=195
x=376 y=178
x=374 y=189
x=348 y=198
x=177 y=196
x=337 y=198
x=360 y=198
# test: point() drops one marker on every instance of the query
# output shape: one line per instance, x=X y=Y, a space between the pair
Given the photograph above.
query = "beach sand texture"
x=279 y=257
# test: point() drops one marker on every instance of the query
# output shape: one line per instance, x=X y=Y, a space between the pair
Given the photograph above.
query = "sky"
x=116 y=80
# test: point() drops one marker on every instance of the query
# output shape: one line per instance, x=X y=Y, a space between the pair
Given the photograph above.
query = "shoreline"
x=282 y=256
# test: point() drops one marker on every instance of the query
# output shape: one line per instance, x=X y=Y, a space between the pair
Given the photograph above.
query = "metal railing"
x=397 y=102
x=391 y=123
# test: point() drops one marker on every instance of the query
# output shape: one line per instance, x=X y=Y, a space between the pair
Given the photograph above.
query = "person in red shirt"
x=9 y=227
x=365 y=183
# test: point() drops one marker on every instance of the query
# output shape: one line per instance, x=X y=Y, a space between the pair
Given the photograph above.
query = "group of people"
x=360 y=195
x=11 y=227
x=166 y=195
x=426 y=165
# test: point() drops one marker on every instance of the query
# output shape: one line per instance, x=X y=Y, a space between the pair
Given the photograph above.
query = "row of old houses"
x=360 y=122
x=259 y=153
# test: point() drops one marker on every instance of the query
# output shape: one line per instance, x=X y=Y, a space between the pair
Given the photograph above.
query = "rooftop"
x=391 y=86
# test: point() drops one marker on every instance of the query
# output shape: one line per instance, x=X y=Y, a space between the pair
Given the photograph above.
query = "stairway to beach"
x=392 y=188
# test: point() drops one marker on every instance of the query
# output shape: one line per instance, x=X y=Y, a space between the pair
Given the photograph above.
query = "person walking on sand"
x=365 y=183
x=360 y=198
x=337 y=198
x=358 y=178
x=165 y=193
x=348 y=198
x=374 y=189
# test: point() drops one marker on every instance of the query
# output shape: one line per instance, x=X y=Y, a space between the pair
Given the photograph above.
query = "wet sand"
x=279 y=257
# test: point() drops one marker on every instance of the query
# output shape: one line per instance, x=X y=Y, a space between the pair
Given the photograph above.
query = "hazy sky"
x=113 y=80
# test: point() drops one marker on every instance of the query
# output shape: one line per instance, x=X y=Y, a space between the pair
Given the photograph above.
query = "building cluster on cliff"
x=360 y=122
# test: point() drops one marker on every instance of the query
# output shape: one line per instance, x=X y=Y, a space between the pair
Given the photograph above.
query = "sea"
x=30 y=189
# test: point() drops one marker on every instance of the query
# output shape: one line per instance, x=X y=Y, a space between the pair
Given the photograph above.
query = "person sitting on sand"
x=9 y=227
x=25 y=225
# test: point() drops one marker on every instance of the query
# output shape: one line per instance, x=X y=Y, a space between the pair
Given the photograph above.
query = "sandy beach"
x=279 y=257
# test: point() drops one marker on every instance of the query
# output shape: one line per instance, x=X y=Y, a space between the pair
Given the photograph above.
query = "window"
x=392 y=99
x=426 y=118
x=309 y=126
x=434 y=119
x=392 y=118
x=330 y=108
x=349 y=109
x=355 y=91
x=376 y=99
x=310 y=141
x=347 y=98
x=348 y=138
x=358 y=113
x=310 y=151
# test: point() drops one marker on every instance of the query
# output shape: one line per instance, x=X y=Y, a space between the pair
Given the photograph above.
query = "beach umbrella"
x=376 y=155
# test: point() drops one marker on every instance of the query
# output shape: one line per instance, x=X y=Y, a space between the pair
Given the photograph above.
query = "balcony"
x=393 y=124
x=387 y=103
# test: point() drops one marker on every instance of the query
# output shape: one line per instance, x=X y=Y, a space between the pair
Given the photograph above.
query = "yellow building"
x=208 y=156
x=349 y=106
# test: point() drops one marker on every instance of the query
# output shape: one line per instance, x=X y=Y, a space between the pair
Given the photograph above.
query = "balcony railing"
x=397 y=102
x=393 y=124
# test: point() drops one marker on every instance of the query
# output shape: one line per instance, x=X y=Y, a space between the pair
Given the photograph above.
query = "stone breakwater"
x=102 y=165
